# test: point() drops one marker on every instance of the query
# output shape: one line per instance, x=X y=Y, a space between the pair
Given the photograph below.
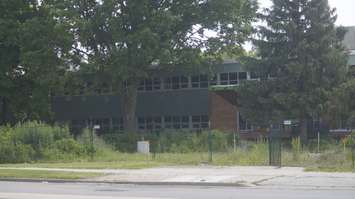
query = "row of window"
x=195 y=81
x=104 y=123
x=147 y=123
x=168 y=83
x=173 y=122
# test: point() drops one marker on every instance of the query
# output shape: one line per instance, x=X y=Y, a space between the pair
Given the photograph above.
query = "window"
x=224 y=79
x=141 y=85
x=200 y=122
x=117 y=124
x=141 y=123
x=203 y=81
x=184 y=82
x=242 y=76
x=168 y=122
x=195 y=81
x=244 y=125
x=229 y=78
x=185 y=122
x=176 y=122
x=233 y=78
x=156 y=84
x=157 y=123
x=199 y=81
x=148 y=84
x=149 y=123
x=176 y=82
x=167 y=83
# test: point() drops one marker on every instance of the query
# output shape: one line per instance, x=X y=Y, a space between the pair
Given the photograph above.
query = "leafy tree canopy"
x=33 y=45
x=299 y=60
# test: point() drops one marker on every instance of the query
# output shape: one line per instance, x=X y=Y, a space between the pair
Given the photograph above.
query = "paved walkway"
x=243 y=176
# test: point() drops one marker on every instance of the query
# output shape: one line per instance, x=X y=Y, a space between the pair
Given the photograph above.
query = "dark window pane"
x=196 y=119
x=203 y=78
x=141 y=123
x=148 y=85
x=233 y=78
x=149 y=122
x=156 y=83
x=141 y=120
x=204 y=118
x=176 y=82
x=157 y=119
x=157 y=122
x=167 y=83
x=224 y=78
x=242 y=76
x=195 y=81
x=176 y=122
x=167 y=119
x=141 y=85
x=184 y=82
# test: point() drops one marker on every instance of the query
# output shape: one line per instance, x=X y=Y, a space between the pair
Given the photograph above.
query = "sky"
x=345 y=10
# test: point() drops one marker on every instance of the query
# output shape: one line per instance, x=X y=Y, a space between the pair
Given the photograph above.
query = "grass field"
x=336 y=161
x=31 y=174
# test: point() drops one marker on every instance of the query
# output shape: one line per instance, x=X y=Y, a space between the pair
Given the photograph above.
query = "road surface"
x=43 y=190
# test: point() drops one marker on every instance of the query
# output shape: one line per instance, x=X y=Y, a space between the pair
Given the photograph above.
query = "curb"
x=208 y=184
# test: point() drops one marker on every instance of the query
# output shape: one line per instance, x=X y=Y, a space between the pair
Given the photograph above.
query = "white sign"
x=287 y=122
x=96 y=127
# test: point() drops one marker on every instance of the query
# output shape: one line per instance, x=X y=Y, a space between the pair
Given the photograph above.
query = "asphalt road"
x=37 y=190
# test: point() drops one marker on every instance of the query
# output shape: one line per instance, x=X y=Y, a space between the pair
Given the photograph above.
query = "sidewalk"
x=213 y=175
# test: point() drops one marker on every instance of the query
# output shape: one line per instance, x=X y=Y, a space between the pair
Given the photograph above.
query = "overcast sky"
x=345 y=10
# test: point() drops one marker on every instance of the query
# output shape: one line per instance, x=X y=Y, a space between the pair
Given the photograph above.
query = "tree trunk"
x=129 y=99
x=3 y=113
x=303 y=129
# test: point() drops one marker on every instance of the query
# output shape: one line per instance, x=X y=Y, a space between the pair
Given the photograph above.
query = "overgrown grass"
x=31 y=174
x=40 y=145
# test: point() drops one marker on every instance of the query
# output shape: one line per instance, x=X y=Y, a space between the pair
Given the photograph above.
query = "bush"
x=170 y=141
x=32 y=141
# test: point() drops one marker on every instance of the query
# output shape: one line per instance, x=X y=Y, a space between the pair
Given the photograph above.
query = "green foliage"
x=123 y=39
x=300 y=60
x=33 y=47
x=296 y=148
x=33 y=141
x=171 y=142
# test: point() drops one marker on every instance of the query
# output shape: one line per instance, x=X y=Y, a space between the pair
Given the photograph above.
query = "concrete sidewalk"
x=242 y=176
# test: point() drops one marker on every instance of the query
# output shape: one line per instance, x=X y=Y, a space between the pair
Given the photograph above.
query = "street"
x=44 y=190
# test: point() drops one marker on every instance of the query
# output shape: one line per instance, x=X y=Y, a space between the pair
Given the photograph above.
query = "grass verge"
x=30 y=174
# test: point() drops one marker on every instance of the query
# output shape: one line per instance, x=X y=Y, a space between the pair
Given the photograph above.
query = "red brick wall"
x=223 y=110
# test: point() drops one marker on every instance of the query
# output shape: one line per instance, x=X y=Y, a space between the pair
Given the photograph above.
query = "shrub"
x=170 y=141
x=33 y=141
x=296 y=148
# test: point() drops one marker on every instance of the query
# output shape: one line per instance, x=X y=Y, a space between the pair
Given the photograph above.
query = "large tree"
x=33 y=47
x=300 y=60
x=125 y=38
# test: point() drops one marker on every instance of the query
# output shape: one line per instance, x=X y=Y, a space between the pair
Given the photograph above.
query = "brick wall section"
x=223 y=110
